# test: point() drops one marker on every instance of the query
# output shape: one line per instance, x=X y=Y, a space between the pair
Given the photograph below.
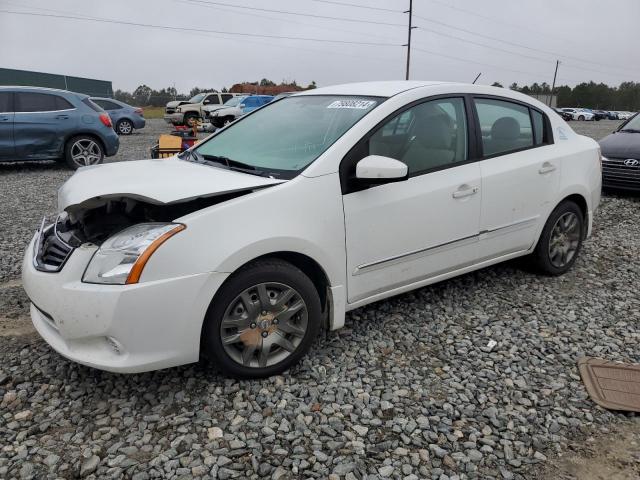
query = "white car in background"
x=244 y=247
x=580 y=113
x=625 y=115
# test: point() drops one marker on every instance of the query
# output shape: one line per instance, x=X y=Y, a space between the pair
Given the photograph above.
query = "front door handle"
x=4 y=119
x=547 y=167
x=62 y=117
x=464 y=191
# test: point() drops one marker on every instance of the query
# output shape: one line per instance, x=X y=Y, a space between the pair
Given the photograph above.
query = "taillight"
x=139 y=111
x=106 y=121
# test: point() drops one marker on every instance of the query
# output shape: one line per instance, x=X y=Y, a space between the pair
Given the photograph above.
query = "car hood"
x=176 y=103
x=160 y=181
x=626 y=145
x=229 y=111
x=211 y=108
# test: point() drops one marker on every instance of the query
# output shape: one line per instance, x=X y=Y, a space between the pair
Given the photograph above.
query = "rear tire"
x=82 y=151
x=262 y=321
x=560 y=241
x=124 y=127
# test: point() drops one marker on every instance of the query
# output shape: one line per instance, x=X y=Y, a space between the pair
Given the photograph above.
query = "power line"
x=288 y=21
x=344 y=4
x=520 y=45
x=517 y=54
x=285 y=12
x=187 y=29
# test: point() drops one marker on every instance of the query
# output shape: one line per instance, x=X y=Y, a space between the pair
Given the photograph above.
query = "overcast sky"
x=594 y=40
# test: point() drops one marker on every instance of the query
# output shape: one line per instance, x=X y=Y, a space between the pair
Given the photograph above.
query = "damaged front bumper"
x=119 y=328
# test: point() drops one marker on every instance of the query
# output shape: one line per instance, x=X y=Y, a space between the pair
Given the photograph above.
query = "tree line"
x=625 y=97
x=145 y=96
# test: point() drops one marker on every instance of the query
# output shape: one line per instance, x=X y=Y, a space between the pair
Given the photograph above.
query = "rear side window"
x=505 y=126
x=40 y=102
x=538 y=127
x=107 y=105
x=5 y=102
x=212 y=100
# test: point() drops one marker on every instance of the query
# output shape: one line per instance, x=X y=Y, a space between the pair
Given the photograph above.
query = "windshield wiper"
x=234 y=165
x=630 y=130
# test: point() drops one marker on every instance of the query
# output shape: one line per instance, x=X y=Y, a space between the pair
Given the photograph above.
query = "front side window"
x=234 y=101
x=429 y=136
x=226 y=97
x=284 y=137
x=40 y=102
x=505 y=126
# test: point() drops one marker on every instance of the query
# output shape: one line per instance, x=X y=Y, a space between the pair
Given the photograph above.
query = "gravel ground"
x=409 y=389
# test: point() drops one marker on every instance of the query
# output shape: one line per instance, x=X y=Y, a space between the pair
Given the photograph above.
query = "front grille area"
x=51 y=251
x=618 y=175
x=170 y=110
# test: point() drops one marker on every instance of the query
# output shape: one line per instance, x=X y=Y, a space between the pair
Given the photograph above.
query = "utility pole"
x=553 y=86
x=408 y=45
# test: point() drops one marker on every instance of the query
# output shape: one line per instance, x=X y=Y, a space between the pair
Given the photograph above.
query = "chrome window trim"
x=48 y=111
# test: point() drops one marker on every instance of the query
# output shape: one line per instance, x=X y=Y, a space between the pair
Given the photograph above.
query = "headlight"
x=121 y=258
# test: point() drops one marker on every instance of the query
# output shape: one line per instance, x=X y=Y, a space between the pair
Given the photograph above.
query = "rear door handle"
x=464 y=191
x=62 y=117
x=546 y=168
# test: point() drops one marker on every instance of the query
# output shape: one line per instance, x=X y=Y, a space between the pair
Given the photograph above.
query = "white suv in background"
x=244 y=247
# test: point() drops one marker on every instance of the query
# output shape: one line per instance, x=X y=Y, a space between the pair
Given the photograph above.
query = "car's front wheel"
x=82 y=151
x=124 y=127
x=561 y=240
x=581 y=118
x=262 y=320
x=191 y=119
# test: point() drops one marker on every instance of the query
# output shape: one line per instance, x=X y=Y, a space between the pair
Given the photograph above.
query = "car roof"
x=372 y=89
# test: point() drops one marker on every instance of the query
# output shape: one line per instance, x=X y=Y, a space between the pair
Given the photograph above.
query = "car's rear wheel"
x=124 y=127
x=561 y=240
x=581 y=118
x=82 y=151
x=262 y=320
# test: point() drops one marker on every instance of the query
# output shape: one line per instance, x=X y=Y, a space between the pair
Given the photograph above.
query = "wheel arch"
x=83 y=133
x=311 y=268
x=577 y=198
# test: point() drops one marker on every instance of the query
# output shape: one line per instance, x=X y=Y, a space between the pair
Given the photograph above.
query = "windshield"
x=232 y=102
x=197 y=98
x=284 y=137
x=632 y=125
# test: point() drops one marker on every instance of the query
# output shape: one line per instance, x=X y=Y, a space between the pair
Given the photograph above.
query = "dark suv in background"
x=48 y=124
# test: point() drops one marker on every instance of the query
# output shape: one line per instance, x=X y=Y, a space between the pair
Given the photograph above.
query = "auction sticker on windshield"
x=358 y=104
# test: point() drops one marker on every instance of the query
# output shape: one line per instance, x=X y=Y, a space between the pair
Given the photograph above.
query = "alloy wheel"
x=125 y=127
x=85 y=152
x=264 y=324
x=564 y=240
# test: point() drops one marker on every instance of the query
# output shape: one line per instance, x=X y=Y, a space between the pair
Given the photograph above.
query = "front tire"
x=262 y=321
x=190 y=119
x=560 y=241
x=82 y=151
x=124 y=127
x=581 y=118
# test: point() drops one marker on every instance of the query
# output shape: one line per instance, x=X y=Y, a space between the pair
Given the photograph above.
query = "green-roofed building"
x=88 y=86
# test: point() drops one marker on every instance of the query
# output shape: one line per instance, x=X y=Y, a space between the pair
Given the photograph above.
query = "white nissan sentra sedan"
x=243 y=248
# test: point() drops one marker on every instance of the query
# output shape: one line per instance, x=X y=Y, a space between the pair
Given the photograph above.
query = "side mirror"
x=207 y=102
x=242 y=105
x=376 y=169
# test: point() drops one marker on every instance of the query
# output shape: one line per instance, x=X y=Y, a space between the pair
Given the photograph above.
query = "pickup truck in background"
x=188 y=112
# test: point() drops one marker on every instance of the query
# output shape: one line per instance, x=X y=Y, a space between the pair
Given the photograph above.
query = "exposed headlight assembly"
x=122 y=257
